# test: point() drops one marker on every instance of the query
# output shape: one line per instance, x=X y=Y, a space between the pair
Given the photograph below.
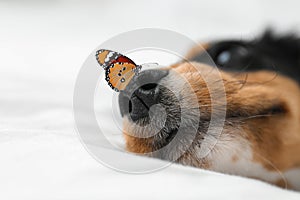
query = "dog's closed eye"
x=258 y=110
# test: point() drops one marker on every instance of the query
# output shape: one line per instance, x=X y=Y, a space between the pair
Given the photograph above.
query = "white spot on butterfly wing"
x=110 y=54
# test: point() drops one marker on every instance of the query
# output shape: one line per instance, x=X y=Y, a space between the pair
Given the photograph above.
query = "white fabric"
x=42 y=46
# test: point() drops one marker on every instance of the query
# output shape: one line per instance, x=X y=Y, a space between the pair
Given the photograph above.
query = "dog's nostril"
x=130 y=106
x=149 y=86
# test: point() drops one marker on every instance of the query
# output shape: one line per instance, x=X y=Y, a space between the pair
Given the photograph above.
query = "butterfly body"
x=119 y=69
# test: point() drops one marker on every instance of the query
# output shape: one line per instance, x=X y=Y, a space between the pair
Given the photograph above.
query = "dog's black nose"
x=141 y=93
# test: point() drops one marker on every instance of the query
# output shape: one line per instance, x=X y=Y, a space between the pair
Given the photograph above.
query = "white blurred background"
x=44 y=43
x=42 y=47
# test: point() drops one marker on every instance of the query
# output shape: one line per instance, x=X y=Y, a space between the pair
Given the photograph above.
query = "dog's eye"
x=231 y=56
x=223 y=57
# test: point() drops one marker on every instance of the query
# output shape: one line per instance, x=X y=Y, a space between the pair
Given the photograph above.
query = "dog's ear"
x=285 y=46
x=282 y=51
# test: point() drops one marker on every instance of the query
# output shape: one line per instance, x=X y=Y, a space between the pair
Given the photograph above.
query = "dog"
x=255 y=132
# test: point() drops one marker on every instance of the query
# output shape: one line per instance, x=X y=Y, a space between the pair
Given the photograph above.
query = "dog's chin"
x=168 y=143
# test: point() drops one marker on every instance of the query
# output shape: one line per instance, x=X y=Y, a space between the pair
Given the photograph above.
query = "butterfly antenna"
x=145 y=64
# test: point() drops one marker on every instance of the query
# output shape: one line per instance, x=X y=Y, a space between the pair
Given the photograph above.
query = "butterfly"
x=119 y=69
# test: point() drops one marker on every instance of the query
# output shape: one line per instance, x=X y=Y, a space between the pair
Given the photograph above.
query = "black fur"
x=269 y=52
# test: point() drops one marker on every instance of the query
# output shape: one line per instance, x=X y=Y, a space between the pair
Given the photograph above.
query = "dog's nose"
x=141 y=93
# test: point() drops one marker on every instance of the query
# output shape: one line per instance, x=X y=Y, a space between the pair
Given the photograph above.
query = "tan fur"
x=274 y=138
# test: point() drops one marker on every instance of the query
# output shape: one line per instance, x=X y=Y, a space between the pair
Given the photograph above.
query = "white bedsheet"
x=42 y=46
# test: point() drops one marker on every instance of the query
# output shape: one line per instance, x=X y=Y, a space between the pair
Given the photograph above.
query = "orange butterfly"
x=119 y=69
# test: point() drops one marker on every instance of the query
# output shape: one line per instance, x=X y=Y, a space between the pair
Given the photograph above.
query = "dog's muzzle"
x=141 y=93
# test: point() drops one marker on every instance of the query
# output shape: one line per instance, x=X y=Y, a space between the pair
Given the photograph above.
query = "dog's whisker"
x=256 y=116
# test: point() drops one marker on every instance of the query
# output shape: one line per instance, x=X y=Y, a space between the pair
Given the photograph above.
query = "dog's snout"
x=141 y=94
x=142 y=99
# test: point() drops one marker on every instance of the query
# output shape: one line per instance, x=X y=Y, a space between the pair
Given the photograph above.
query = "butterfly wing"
x=119 y=69
x=119 y=74
x=107 y=57
x=124 y=59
